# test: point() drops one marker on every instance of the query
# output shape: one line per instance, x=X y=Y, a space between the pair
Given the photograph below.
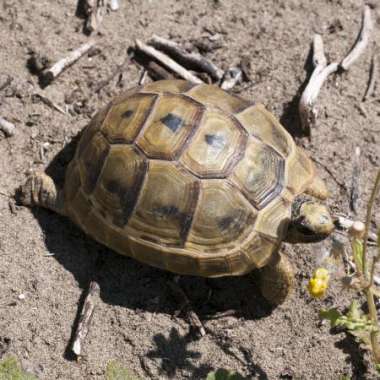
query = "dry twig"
x=143 y=75
x=7 y=127
x=231 y=78
x=372 y=78
x=361 y=41
x=191 y=61
x=185 y=304
x=167 y=62
x=355 y=181
x=49 y=74
x=321 y=71
x=114 y=5
x=95 y=10
x=50 y=103
x=85 y=318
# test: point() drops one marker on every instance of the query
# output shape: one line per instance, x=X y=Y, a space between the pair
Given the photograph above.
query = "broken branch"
x=114 y=5
x=361 y=41
x=372 y=78
x=49 y=74
x=231 y=78
x=85 y=318
x=320 y=73
x=167 y=62
x=7 y=127
x=95 y=10
x=355 y=181
x=192 y=61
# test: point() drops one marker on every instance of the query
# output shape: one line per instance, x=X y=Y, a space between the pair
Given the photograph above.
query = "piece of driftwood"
x=157 y=72
x=143 y=75
x=372 y=78
x=231 y=78
x=85 y=318
x=114 y=5
x=191 y=61
x=361 y=41
x=51 y=73
x=7 y=127
x=306 y=107
x=355 y=181
x=185 y=305
x=50 y=103
x=95 y=11
x=166 y=61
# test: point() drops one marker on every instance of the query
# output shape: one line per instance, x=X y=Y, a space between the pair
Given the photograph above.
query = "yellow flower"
x=319 y=283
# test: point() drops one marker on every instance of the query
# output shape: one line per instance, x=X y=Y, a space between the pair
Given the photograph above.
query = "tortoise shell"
x=187 y=178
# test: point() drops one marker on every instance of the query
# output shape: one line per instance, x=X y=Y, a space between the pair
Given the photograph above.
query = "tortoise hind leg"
x=40 y=190
x=277 y=279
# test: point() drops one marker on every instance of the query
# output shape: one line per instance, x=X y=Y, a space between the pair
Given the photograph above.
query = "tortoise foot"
x=40 y=190
x=277 y=280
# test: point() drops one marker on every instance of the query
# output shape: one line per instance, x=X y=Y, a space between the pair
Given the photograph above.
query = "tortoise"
x=194 y=180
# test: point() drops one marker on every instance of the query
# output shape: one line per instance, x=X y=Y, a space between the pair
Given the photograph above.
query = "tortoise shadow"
x=126 y=282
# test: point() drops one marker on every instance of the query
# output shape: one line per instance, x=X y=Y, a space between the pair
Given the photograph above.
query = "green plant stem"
x=374 y=334
x=368 y=290
x=367 y=224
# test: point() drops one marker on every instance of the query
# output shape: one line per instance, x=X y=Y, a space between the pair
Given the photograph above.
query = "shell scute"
x=260 y=174
x=125 y=120
x=165 y=208
x=216 y=147
x=215 y=97
x=173 y=120
x=223 y=217
x=262 y=124
x=120 y=184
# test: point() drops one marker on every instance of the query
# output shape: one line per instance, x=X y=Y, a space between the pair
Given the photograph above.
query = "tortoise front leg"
x=40 y=190
x=277 y=279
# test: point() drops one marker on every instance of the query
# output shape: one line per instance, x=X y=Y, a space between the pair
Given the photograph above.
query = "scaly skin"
x=40 y=190
x=277 y=279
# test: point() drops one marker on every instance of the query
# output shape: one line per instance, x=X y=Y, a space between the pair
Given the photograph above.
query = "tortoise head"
x=310 y=221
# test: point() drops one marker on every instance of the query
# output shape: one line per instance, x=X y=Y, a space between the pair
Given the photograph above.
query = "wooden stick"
x=320 y=73
x=114 y=5
x=191 y=61
x=7 y=127
x=50 y=103
x=143 y=76
x=185 y=304
x=167 y=62
x=361 y=41
x=231 y=78
x=54 y=71
x=372 y=78
x=85 y=318
x=95 y=10
x=355 y=181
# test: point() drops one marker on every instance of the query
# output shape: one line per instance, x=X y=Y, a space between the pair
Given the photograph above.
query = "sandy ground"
x=50 y=261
